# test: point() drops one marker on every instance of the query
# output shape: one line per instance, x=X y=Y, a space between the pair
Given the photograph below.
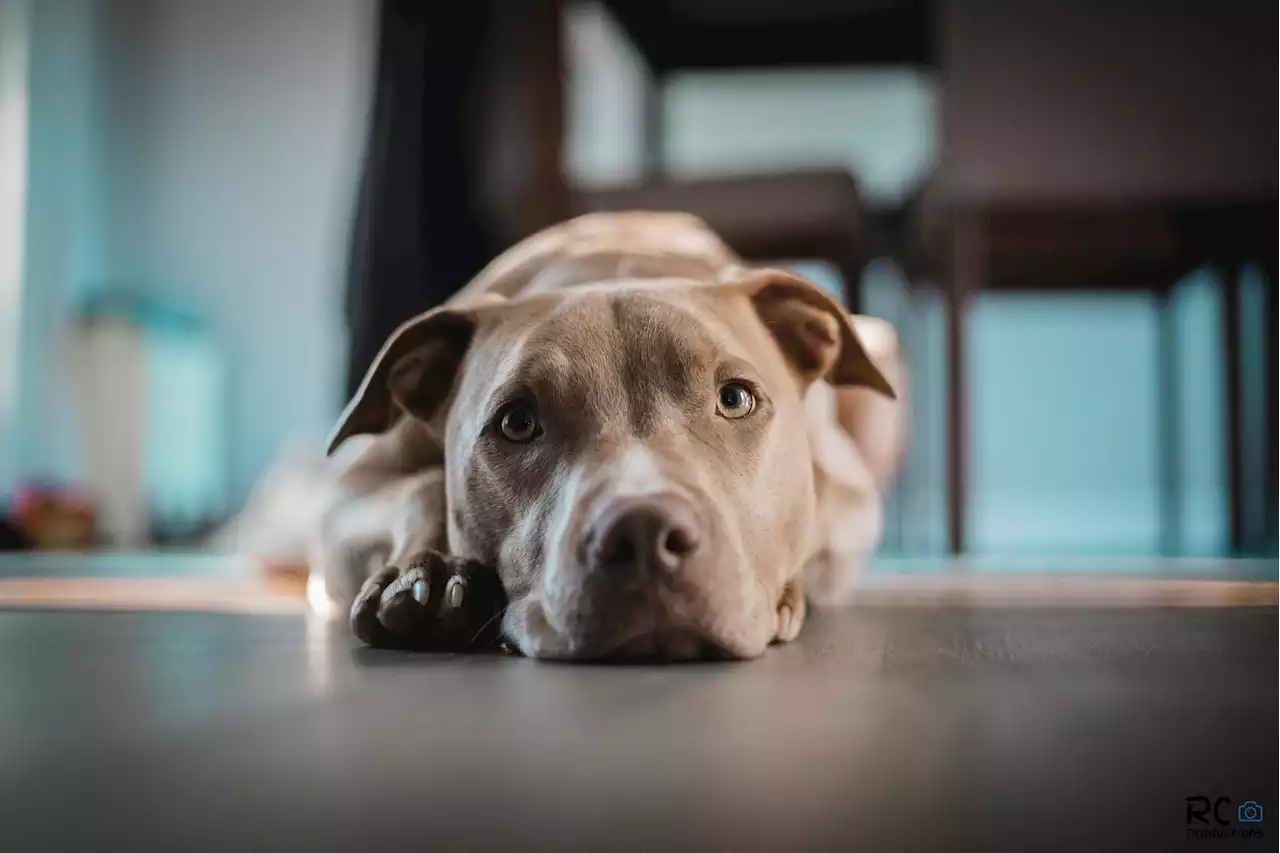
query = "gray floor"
x=885 y=728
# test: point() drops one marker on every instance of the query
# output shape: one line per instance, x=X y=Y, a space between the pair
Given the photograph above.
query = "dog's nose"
x=659 y=531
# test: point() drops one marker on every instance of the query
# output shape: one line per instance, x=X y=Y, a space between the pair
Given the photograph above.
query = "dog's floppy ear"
x=813 y=330
x=414 y=373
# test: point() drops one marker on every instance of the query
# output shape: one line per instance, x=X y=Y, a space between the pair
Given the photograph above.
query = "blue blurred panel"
x=187 y=424
x=925 y=481
x=1066 y=430
x=1064 y=442
x=880 y=123
x=820 y=273
x=1201 y=455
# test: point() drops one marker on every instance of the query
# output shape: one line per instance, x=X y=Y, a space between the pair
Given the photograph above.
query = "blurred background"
x=211 y=214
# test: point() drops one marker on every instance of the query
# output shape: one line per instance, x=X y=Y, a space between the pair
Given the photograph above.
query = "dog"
x=618 y=441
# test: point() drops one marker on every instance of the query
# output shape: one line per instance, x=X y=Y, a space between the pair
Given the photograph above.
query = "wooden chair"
x=1107 y=246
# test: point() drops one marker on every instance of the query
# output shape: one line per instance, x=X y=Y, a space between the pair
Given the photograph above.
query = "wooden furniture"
x=1104 y=246
x=675 y=35
x=717 y=35
x=804 y=215
x=1233 y=235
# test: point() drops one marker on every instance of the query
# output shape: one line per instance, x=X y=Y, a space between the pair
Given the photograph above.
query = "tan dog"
x=618 y=440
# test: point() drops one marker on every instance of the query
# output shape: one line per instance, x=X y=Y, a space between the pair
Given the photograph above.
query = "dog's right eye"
x=518 y=423
x=735 y=400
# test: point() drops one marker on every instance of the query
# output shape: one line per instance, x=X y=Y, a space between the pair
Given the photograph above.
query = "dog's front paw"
x=432 y=603
x=791 y=613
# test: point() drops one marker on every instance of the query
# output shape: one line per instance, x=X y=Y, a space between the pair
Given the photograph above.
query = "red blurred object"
x=54 y=517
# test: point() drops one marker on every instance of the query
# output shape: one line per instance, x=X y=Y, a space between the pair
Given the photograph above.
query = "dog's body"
x=609 y=380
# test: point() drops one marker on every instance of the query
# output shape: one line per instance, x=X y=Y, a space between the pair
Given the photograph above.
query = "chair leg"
x=1169 y=425
x=905 y=322
x=1234 y=399
x=851 y=270
x=653 y=128
x=965 y=275
x=957 y=439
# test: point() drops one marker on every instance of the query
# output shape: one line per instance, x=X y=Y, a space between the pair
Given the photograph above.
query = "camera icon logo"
x=1249 y=812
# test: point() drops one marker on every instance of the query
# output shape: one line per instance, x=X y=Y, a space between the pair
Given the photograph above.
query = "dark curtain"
x=419 y=233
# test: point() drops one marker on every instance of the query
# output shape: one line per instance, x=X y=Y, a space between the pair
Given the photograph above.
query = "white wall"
x=232 y=135
x=14 y=67
x=58 y=239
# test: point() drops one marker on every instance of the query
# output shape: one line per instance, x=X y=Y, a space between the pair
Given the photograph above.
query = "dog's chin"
x=528 y=627
x=672 y=645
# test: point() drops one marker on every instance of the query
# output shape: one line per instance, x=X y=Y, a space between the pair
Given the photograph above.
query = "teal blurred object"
x=151 y=382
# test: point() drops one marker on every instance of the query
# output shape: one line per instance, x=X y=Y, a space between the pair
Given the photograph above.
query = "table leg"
x=852 y=267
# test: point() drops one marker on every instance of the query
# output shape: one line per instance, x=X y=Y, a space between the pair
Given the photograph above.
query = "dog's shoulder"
x=600 y=247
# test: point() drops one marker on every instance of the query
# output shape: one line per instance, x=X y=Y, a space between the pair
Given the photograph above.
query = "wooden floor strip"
x=285 y=594
x=1063 y=591
x=268 y=595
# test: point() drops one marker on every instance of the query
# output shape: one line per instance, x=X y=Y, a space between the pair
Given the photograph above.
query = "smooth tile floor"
x=884 y=728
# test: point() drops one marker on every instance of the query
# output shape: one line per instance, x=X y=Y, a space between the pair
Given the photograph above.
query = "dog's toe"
x=405 y=604
x=365 y=621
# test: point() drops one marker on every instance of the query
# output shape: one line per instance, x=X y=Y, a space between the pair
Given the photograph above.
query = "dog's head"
x=631 y=458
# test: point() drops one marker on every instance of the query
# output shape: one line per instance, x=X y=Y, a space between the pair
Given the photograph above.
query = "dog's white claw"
x=421 y=591
x=786 y=630
x=455 y=591
x=791 y=613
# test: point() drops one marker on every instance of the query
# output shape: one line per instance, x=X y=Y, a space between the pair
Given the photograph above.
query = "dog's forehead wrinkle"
x=553 y=355
x=618 y=356
x=663 y=338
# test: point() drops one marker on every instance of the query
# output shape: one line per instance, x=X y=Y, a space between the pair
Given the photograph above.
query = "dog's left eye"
x=518 y=422
x=735 y=400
